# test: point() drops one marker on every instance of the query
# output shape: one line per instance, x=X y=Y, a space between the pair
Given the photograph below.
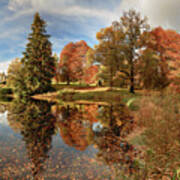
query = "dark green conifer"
x=38 y=61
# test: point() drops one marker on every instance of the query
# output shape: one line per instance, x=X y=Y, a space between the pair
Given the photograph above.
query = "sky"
x=73 y=20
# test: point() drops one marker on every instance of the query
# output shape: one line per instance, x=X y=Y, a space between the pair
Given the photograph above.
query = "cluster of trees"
x=129 y=54
x=128 y=50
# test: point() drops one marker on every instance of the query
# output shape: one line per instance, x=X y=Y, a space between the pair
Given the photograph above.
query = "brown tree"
x=132 y=25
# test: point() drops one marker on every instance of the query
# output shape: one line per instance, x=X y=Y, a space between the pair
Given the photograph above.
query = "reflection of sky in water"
x=97 y=127
x=6 y=133
x=3 y=119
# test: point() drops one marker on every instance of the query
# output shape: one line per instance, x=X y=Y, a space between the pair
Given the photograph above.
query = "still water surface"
x=41 y=140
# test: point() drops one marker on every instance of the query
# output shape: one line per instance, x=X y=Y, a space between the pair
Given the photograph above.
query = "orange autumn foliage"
x=74 y=123
x=73 y=132
x=167 y=45
x=90 y=74
x=91 y=113
x=73 y=60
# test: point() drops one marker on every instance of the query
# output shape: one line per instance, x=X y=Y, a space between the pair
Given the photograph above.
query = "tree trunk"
x=111 y=83
x=67 y=111
x=131 y=90
x=111 y=116
x=68 y=81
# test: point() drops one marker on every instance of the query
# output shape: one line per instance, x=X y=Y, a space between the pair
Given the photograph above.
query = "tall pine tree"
x=38 y=61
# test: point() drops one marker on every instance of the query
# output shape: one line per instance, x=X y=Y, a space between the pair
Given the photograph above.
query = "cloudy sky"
x=73 y=20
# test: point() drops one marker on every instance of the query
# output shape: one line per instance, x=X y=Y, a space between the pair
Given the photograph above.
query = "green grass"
x=107 y=96
x=61 y=86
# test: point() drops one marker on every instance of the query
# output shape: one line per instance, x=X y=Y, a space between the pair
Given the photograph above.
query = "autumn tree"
x=91 y=70
x=132 y=25
x=107 y=53
x=90 y=74
x=159 y=63
x=119 y=46
x=149 y=71
x=12 y=71
x=15 y=81
x=166 y=44
x=72 y=61
x=38 y=62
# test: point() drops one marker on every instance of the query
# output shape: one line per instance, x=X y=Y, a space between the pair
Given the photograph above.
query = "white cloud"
x=12 y=33
x=15 y=5
x=61 y=7
x=18 y=14
x=18 y=4
x=159 y=12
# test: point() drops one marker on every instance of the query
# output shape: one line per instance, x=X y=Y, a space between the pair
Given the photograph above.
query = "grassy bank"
x=96 y=95
x=61 y=86
x=80 y=92
x=104 y=95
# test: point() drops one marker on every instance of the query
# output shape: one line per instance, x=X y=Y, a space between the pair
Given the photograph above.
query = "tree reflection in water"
x=74 y=126
x=106 y=128
x=37 y=126
x=77 y=129
x=114 y=150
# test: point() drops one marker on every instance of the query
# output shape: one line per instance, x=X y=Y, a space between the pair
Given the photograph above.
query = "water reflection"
x=113 y=150
x=73 y=129
x=35 y=123
x=104 y=127
x=82 y=127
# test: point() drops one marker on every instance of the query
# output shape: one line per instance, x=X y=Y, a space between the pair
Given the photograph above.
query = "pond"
x=78 y=141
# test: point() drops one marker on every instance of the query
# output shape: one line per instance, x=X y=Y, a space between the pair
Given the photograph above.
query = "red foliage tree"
x=72 y=61
x=90 y=75
x=166 y=44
